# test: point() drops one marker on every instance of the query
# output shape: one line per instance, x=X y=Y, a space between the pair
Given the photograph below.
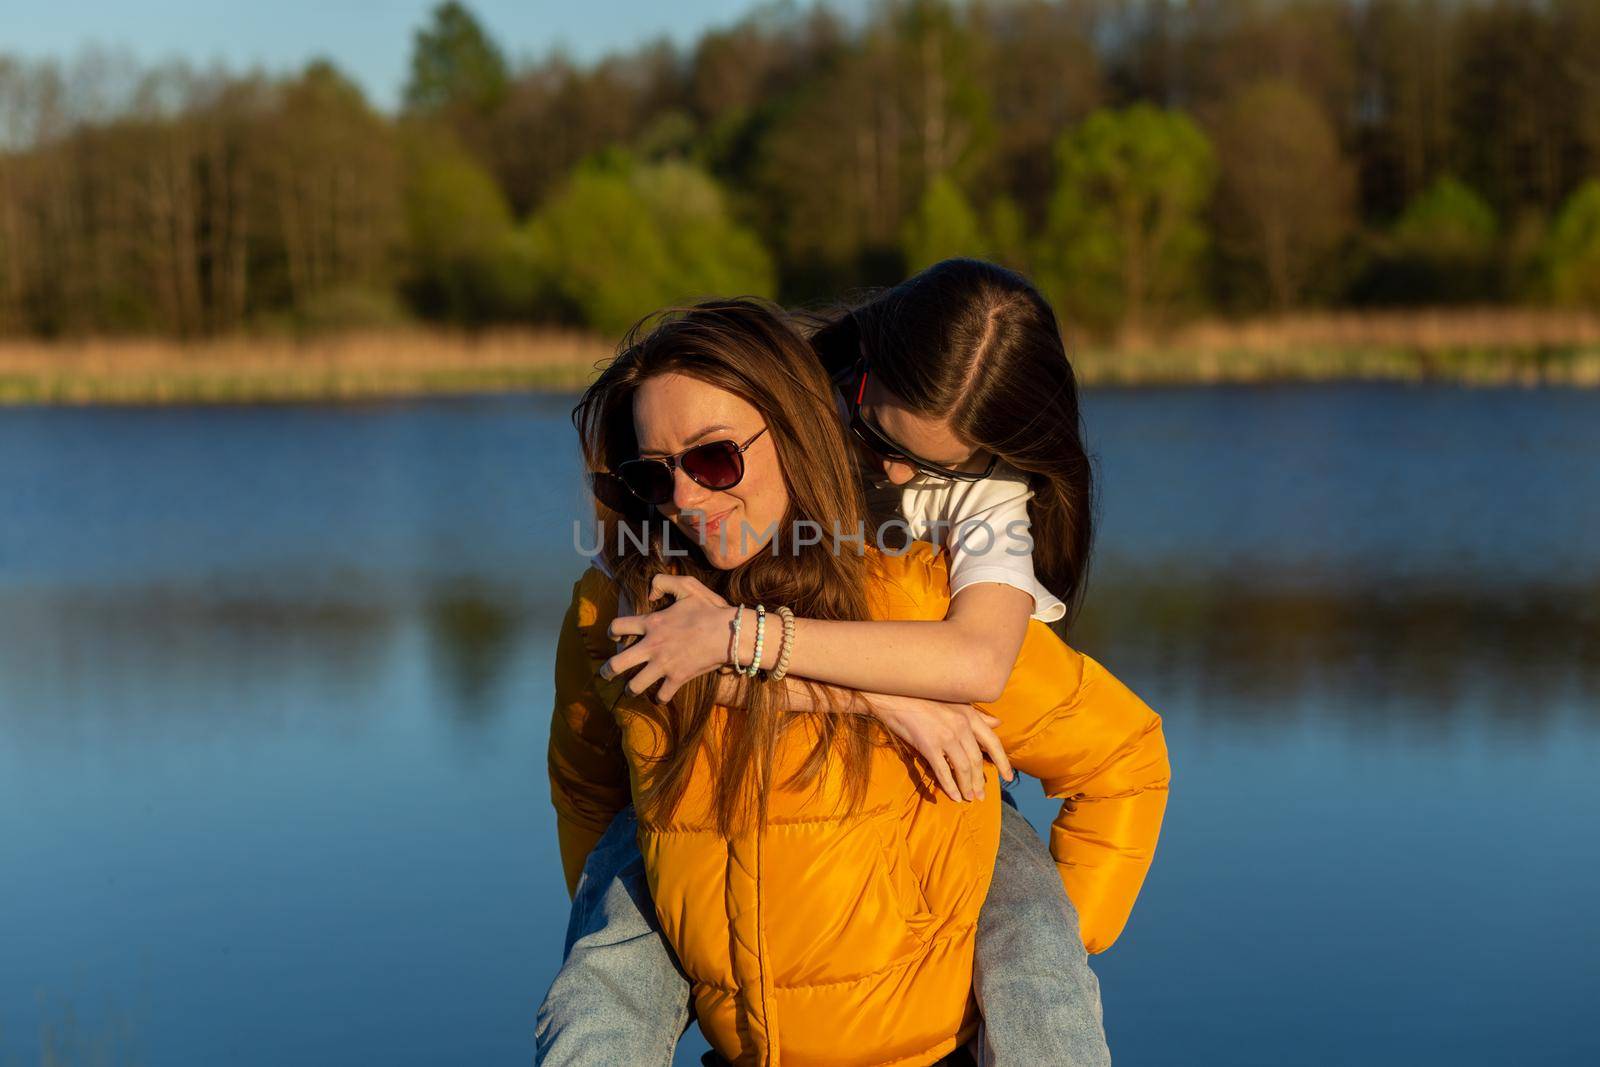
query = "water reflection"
x=68 y=1039
x=474 y=638
x=158 y=664
x=149 y=660
x=1429 y=660
x=1425 y=660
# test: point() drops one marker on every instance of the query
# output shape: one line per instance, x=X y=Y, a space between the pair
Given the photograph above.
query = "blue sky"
x=369 y=39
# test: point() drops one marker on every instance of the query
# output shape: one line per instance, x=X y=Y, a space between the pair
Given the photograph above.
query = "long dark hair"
x=976 y=344
x=754 y=351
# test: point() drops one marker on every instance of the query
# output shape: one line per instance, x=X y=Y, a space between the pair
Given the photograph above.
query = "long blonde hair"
x=752 y=350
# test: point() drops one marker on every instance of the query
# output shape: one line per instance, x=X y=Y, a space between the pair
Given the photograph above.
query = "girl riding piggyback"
x=963 y=407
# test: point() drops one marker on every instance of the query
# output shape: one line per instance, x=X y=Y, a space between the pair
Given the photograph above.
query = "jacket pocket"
x=905 y=884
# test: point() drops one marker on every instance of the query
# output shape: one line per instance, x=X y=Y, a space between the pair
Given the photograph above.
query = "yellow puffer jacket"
x=835 y=940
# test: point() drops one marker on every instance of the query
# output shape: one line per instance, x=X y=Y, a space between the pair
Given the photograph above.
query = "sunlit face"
x=929 y=439
x=672 y=412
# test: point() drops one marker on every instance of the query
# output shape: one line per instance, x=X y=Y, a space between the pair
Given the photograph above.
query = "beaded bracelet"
x=761 y=636
x=781 y=668
x=738 y=616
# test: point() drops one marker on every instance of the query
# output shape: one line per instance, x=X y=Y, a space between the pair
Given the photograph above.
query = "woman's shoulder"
x=594 y=605
x=913 y=583
x=595 y=594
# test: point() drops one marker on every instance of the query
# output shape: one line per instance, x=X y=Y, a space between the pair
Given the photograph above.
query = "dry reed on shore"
x=336 y=366
x=1467 y=346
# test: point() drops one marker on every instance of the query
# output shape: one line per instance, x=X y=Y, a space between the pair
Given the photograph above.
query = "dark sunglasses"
x=881 y=443
x=714 y=465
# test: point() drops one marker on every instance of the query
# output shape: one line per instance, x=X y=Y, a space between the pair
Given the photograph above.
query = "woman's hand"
x=684 y=640
x=951 y=738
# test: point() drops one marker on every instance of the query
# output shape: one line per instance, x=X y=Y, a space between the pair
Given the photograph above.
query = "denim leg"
x=1040 y=1001
x=620 y=998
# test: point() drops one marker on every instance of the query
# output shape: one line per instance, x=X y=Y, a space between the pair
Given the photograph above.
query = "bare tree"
x=1285 y=194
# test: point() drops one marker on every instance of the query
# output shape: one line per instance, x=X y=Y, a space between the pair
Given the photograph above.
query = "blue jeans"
x=1040 y=1001
x=621 y=999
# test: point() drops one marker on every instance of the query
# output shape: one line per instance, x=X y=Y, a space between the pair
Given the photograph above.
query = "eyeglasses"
x=884 y=445
x=714 y=465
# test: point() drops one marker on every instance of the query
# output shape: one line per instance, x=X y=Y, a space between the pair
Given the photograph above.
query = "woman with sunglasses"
x=958 y=392
x=1099 y=744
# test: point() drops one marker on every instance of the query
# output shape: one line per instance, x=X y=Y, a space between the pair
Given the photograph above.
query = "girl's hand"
x=688 y=638
x=951 y=738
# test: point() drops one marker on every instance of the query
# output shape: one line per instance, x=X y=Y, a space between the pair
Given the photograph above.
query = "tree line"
x=1145 y=160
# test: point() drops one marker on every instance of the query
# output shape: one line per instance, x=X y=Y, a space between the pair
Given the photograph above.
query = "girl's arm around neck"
x=963 y=658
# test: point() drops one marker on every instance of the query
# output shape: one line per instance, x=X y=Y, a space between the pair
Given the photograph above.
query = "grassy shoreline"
x=370 y=365
x=1474 y=348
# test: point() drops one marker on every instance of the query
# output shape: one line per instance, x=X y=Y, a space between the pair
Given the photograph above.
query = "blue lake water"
x=275 y=691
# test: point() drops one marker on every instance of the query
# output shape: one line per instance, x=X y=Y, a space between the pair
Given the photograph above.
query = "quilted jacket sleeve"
x=588 y=775
x=1088 y=738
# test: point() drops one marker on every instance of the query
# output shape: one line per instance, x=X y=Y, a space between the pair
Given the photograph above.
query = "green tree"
x=468 y=260
x=1441 y=248
x=621 y=240
x=1572 y=251
x=944 y=226
x=455 y=64
x=1447 y=219
x=1007 y=231
x=330 y=171
x=845 y=159
x=1124 y=232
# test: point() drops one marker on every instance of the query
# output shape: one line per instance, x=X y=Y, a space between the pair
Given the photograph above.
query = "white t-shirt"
x=983 y=524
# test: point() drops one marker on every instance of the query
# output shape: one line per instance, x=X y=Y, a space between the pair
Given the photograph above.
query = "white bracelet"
x=761 y=635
